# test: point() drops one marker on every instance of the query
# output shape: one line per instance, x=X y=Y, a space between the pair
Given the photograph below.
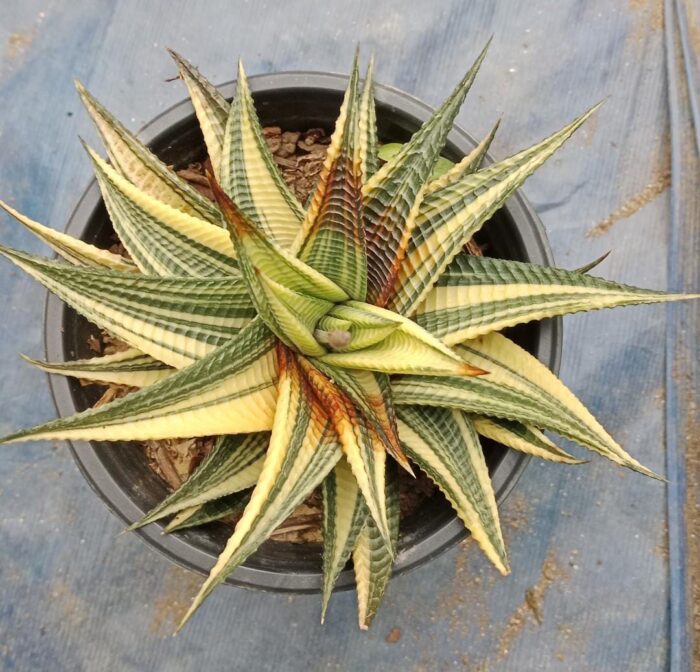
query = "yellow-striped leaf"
x=234 y=464
x=393 y=195
x=248 y=173
x=211 y=108
x=344 y=515
x=468 y=165
x=370 y=392
x=303 y=449
x=333 y=230
x=230 y=391
x=141 y=167
x=444 y=443
x=360 y=442
x=373 y=558
x=210 y=512
x=128 y=367
x=162 y=240
x=519 y=387
x=477 y=295
x=521 y=437
x=368 y=125
x=450 y=216
x=174 y=320
x=71 y=249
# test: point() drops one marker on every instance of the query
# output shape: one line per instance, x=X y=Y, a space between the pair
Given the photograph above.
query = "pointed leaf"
x=302 y=451
x=141 y=167
x=175 y=320
x=259 y=254
x=162 y=240
x=234 y=464
x=230 y=391
x=211 y=108
x=128 y=367
x=333 y=231
x=450 y=216
x=71 y=249
x=210 y=512
x=445 y=445
x=477 y=295
x=344 y=515
x=248 y=173
x=468 y=165
x=370 y=392
x=518 y=387
x=521 y=437
x=360 y=443
x=393 y=195
x=373 y=558
x=368 y=125
x=586 y=268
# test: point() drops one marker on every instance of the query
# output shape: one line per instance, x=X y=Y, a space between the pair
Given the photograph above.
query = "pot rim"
x=507 y=472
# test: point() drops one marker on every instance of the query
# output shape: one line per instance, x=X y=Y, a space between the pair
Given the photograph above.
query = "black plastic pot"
x=119 y=473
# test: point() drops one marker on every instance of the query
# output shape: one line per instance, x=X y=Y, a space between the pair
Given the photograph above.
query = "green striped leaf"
x=162 y=240
x=587 y=268
x=303 y=449
x=373 y=559
x=141 y=167
x=234 y=464
x=477 y=295
x=368 y=125
x=211 y=108
x=442 y=165
x=128 y=367
x=450 y=216
x=230 y=391
x=361 y=444
x=249 y=176
x=444 y=443
x=71 y=249
x=210 y=512
x=394 y=193
x=175 y=320
x=518 y=387
x=468 y=165
x=521 y=437
x=333 y=229
x=344 y=515
x=370 y=393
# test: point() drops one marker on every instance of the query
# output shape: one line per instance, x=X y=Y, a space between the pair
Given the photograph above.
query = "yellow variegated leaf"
x=211 y=108
x=128 y=367
x=468 y=165
x=72 y=249
x=478 y=295
x=517 y=368
x=521 y=437
x=344 y=515
x=450 y=216
x=368 y=125
x=373 y=558
x=209 y=512
x=302 y=451
x=393 y=195
x=361 y=445
x=140 y=166
x=231 y=391
x=444 y=443
x=249 y=175
x=174 y=320
x=333 y=232
x=162 y=240
x=234 y=464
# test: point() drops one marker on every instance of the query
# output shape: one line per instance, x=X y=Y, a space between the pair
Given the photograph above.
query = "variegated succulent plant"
x=323 y=344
